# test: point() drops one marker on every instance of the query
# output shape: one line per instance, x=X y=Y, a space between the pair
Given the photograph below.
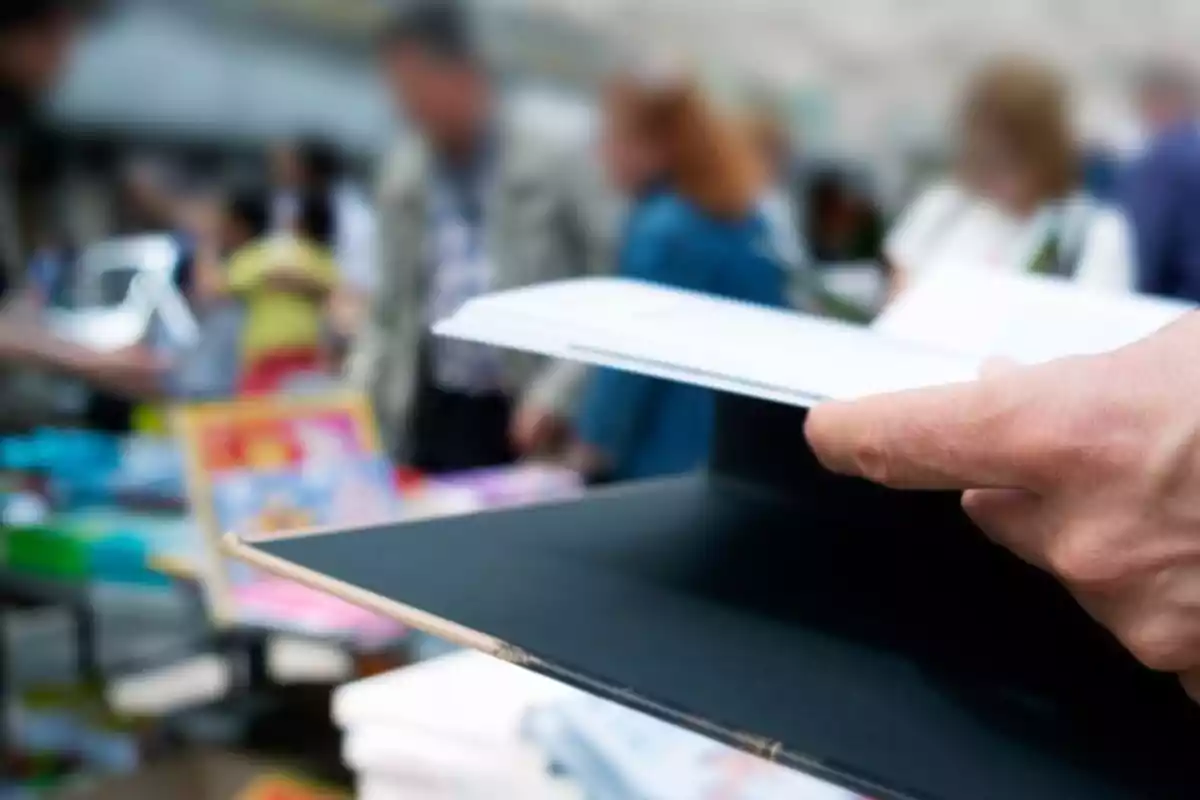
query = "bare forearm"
x=24 y=344
x=132 y=372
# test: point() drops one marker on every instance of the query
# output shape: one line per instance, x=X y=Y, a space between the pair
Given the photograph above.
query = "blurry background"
x=868 y=79
x=187 y=138
x=229 y=77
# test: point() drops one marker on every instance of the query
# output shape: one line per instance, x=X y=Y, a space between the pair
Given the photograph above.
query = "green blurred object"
x=46 y=551
x=1048 y=259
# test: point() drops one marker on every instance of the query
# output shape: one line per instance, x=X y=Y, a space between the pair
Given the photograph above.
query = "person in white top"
x=1013 y=203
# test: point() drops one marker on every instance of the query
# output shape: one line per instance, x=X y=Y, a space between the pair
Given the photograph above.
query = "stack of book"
x=613 y=753
x=447 y=728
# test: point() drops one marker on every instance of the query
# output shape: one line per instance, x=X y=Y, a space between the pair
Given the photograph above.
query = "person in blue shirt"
x=694 y=183
x=1161 y=190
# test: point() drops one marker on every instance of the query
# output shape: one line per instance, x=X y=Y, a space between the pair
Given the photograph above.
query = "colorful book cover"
x=282 y=464
x=344 y=492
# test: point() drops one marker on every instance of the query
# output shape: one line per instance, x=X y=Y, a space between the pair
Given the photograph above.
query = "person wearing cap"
x=1161 y=190
x=471 y=201
x=36 y=37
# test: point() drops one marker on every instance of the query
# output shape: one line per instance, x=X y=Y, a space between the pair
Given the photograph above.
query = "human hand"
x=1088 y=468
x=536 y=430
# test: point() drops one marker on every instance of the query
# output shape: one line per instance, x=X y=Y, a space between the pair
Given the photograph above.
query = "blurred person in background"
x=1161 y=191
x=149 y=202
x=284 y=282
x=779 y=204
x=470 y=203
x=51 y=268
x=290 y=166
x=36 y=37
x=1101 y=173
x=208 y=371
x=695 y=184
x=1015 y=203
x=152 y=200
x=317 y=227
x=149 y=193
x=239 y=217
x=312 y=166
x=842 y=221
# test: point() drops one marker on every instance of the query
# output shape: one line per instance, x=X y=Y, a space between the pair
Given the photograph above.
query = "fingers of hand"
x=952 y=437
x=1015 y=519
x=1155 y=612
x=1017 y=427
x=1157 y=617
x=1059 y=537
x=1191 y=683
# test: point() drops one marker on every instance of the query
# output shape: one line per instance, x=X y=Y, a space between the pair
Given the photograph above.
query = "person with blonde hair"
x=1014 y=202
x=695 y=183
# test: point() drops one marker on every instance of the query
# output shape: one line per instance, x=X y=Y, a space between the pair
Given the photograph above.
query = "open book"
x=866 y=636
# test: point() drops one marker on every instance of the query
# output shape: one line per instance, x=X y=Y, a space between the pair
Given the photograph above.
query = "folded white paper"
x=694 y=338
x=939 y=332
x=1026 y=318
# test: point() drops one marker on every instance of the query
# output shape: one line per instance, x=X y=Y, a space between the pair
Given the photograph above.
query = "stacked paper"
x=447 y=728
x=615 y=753
x=470 y=726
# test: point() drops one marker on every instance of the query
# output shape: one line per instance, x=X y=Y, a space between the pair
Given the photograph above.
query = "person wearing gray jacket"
x=470 y=203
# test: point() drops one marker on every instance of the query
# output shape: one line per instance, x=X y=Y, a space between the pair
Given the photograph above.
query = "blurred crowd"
x=309 y=272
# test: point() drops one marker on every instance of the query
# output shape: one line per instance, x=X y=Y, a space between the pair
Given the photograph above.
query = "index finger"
x=962 y=436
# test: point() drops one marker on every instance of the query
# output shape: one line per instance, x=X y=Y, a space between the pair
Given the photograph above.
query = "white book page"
x=708 y=341
x=1026 y=318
